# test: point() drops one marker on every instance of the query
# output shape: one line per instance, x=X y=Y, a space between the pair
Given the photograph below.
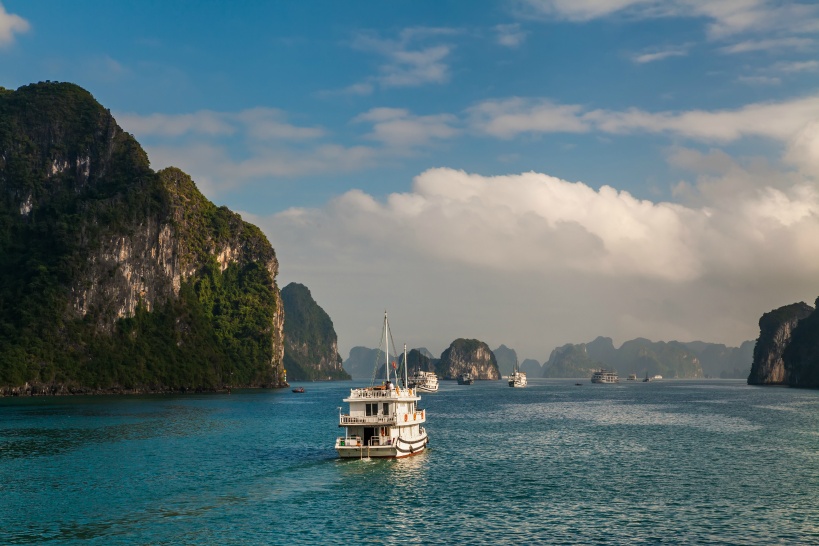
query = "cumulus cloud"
x=10 y=26
x=567 y=257
x=803 y=149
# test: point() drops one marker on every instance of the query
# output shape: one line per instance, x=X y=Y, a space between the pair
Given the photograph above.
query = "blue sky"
x=530 y=172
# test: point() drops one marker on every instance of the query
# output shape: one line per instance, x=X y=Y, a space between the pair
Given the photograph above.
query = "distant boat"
x=424 y=381
x=465 y=379
x=518 y=378
x=647 y=379
x=298 y=389
x=605 y=376
x=632 y=377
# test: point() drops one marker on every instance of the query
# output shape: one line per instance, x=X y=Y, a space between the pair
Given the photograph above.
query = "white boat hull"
x=353 y=449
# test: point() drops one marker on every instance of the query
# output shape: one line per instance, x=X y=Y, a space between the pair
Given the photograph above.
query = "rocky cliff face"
x=640 y=356
x=117 y=277
x=802 y=353
x=468 y=356
x=310 y=341
x=775 y=331
x=506 y=358
x=571 y=360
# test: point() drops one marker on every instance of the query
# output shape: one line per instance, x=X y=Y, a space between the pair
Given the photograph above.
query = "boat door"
x=369 y=432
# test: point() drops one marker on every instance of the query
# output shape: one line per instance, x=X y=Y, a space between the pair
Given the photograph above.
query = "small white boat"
x=518 y=378
x=383 y=420
x=424 y=381
x=632 y=377
x=605 y=376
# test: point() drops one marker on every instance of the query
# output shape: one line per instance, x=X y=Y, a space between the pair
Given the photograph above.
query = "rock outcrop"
x=468 y=356
x=775 y=331
x=310 y=341
x=571 y=360
x=506 y=358
x=116 y=278
x=802 y=353
x=640 y=356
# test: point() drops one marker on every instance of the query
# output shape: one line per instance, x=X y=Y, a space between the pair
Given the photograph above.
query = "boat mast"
x=387 y=343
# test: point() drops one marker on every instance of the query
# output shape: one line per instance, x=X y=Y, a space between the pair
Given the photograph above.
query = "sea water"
x=665 y=462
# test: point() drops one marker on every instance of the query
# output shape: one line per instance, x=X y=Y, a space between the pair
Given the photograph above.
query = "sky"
x=523 y=172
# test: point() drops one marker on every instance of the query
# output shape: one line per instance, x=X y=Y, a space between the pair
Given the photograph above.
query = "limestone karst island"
x=120 y=279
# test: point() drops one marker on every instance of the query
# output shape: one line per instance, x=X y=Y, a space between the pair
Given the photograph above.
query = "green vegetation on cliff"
x=109 y=277
x=310 y=341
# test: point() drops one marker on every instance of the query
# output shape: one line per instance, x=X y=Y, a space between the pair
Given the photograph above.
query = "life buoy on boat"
x=414 y=416
x=405 y=417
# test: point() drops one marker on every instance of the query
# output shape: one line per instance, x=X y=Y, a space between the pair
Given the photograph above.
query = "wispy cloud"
x=258 y=123
x=512 y=117
x=11 y=25
x=759 y=80
x=508 y=118
x=585 y=10
x=400 y=130
x=796 y=66
x=658 y=54
x=725 y=18
x=510 y=35
x=415 y=58
x=769 y=45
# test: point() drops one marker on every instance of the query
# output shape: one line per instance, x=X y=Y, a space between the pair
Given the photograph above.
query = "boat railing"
x=352 y=441
x=366 y=419
x=380 y=393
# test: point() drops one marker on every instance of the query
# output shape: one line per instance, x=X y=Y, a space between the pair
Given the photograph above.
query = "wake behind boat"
x=383 y=420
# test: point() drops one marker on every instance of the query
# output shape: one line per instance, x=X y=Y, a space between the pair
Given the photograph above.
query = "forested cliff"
x=114 y=277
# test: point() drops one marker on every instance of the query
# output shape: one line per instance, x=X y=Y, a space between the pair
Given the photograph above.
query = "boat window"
x=372 y=409
x=386 y=408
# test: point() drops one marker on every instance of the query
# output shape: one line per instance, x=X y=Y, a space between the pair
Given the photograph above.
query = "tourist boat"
x=383 y=420
x=424 y=381
x=518 y=378
x=465 y=379
x=605 y=376
x=298 y=389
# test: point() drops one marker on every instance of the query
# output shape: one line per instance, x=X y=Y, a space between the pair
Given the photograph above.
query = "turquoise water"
x=675 y=462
